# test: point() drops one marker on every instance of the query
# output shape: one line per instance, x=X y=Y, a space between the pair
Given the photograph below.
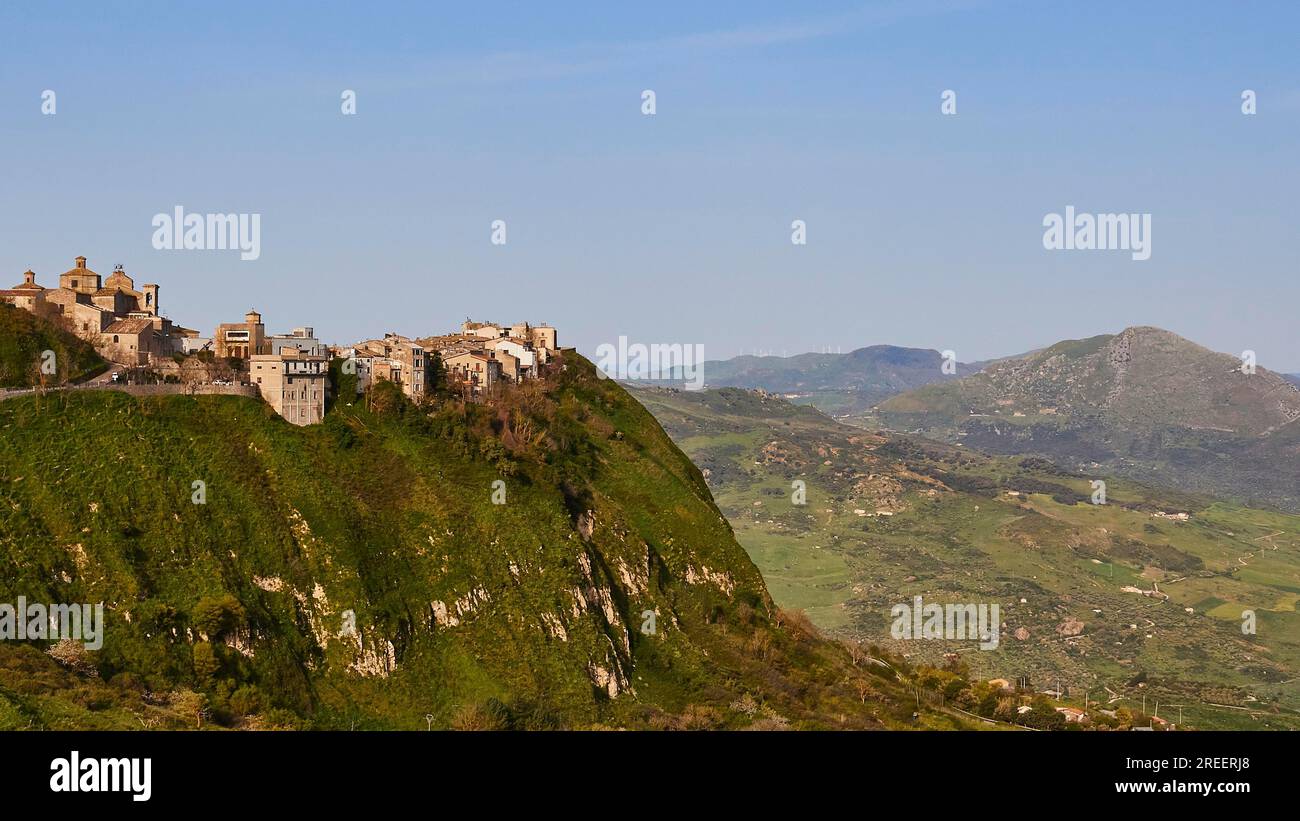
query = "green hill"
x=24 y=339
x=534 y=613
x=1144 y=403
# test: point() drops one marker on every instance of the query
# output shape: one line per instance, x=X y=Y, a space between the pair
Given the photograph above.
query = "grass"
x=232 y=613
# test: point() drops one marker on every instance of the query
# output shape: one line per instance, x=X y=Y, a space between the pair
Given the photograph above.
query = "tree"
x=190 y=706
x=864 y=689
x=218 y=615
x=1043 y=716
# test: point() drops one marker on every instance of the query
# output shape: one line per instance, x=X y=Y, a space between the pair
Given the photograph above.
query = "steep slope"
x=1144 y=403
x=888 y=517
x=360 y=573
x=24 y=339
x=836 y=383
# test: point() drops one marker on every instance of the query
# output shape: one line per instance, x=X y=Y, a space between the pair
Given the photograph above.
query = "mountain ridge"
x=1144 y=402
x=837 y=383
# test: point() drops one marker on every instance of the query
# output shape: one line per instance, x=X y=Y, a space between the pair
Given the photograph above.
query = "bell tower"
x=149 y=300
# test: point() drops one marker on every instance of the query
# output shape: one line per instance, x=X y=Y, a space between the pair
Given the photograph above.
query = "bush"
x=480 y=717
x=217 y=616
x=246 y=701
x=206 y=663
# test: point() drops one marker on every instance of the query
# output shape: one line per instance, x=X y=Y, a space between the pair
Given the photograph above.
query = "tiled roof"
x=129 y=326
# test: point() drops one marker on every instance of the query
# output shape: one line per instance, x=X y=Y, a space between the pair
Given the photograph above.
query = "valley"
x=1141 y=598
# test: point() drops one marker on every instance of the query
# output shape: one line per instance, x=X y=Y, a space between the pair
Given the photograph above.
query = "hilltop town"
x=289 y=370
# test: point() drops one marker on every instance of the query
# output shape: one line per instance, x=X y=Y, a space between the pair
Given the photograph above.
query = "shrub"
x=218 y=615
x=246 y=700
x=206 y=663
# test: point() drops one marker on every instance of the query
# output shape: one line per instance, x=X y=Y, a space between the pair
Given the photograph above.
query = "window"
x=114 y=339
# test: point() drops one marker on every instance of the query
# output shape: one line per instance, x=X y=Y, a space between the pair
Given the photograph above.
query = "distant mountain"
x=837 y=383
x=1143 y=403
x=1294 y=378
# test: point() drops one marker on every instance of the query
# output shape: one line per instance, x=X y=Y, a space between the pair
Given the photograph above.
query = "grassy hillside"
x=888 y=517
x=24 y=338
x=529 y=614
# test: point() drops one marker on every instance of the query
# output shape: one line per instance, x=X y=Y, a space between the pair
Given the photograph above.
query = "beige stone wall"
x=293 y=386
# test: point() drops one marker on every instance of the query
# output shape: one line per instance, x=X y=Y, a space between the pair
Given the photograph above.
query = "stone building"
x=116 y=294
x=293 y=383
x=397 y=359
x=26 y=295
x=134 y=341
x=89 y=305
x=473 y=370
x=241 y=340
x=304 y=339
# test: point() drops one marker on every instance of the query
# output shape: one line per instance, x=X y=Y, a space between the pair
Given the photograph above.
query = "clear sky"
x=923 y=229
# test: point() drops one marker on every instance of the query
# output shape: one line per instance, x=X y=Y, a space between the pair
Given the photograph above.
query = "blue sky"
x=923 y=229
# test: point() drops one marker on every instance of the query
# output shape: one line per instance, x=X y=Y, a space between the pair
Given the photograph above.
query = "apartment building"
x=474 y=370
x=241 y=340
x=397 y=359
x=293 y=383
